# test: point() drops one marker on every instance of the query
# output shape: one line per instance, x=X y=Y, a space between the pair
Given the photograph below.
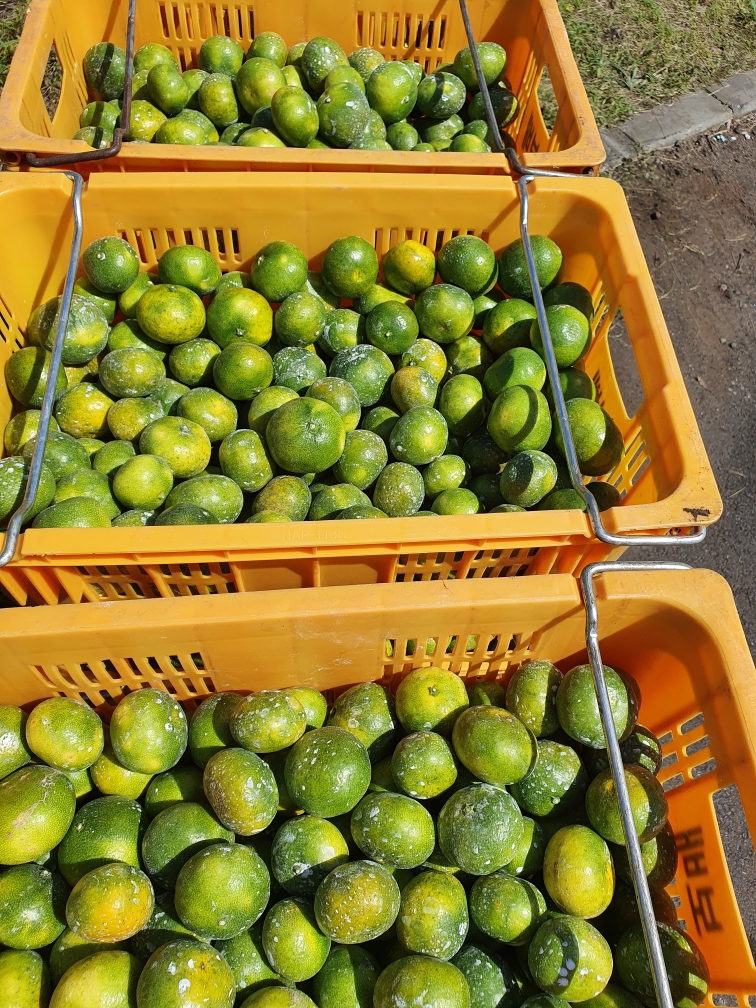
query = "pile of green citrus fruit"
x=192 y=397
x=446 y=847
x=310 y=95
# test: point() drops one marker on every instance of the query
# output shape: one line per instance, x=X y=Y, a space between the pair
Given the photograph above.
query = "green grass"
x=633 y=54
x=12 y=14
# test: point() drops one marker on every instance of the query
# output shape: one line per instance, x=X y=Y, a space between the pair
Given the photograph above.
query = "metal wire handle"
x=632 y=843
x=526 y=176
x=35 y=469
x=120 y=132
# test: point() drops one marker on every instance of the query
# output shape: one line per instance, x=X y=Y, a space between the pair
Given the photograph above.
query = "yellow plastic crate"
x=664 y=475
x=677 y=633
x=429 y=31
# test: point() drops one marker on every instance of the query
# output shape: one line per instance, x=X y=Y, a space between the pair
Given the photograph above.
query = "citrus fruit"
x=399 y=490
x=82 y=411
x=181 y=784
x=577 y=707
x=131 y=372
x=528 y=478
x=531 y=696
x=285 y=495
x=328 y=503
x=15 y=752
x=300 y=318
x=392 y=91
x=128 y=333
x=179 y=130
x=24 y=978
x=144 y=122
x=493 y=60
x=575 y=384
x=209 y=409
x=444 y=312
x=244 y=458
x=242 y=790
x=63 y=454
x=578 y=871
x=409 y=267
x=504 y=105
x=413 y=386
x=105 y=69
x=192 y=363
x=95 y=136
x=417 y=976
x=177 y=834
x=491 y=980
x=347 y=977
x=641 y=746
x=111 y=264
x=367 y=711
x=365 y=60
x=439 y=133
x=563 y=940
x=422 y=765
x=445 y=473
x=32 y=906
x=367 y=369
x=647 y=800
x=529 y=851
x=570 y=334
x=486 y=489
x=556 y=784
x=112 y=778
x=76 y=512
x=339 y=394
x=257 y=80
x=429 y=356
x=26 y=374
x=327 y=772
x=350 y=267
x=402 y=136
x=267 y=721
x=686 y=968
x=127 y=418
x=217 y=100
x=241 y=371
x=305 y=849
x=392 y=327
x=297 y=368
x=463 y=404
x=218 y=495
x=598 y=441
x=380 y=420
x=148 y=731
x=494 y=745
x=183 y=971
x=513 y=271
x=143 y=482
x=264 y=405
x=519 y=366
x=305 y=435
x=570 y=293
x=345 y=117
x=440 y=95
x=105 y=302
x=103 y=831
x=419 y=436
x=363 y=459
x=22 y=428
x=110 y=976
x=293 y=944
x=342 y=328
x=430 y=699
x=467 y=355
x=64 y=733
x=468 y=262
x=455 y=502
x=128 y=299
x=295 y=116
x=209 y=730
x=239 y=314
x=393 y=829
x=110 y=903
x=222 y=890
x=433 y=918
x=86 y=331
x=246 y=957
x=520 y=419
x=356 y=902
x=259 y=137
x=167 y=89
x=183 y=444
x=170 y=314
x=269 y=45
x=14 y=473
x=278 y=270
x=506 y=908
x=377 y=294
x=91 y=445
x=479 y=828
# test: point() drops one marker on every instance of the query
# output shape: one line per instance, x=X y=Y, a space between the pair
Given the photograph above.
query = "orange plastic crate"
x=677 y=633
x=429 y=31
x=665 y=476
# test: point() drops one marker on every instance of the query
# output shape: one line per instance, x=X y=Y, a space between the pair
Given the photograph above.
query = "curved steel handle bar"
x=640 y=882
x=120 y=132
x=698 y=533
x=35 y=469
